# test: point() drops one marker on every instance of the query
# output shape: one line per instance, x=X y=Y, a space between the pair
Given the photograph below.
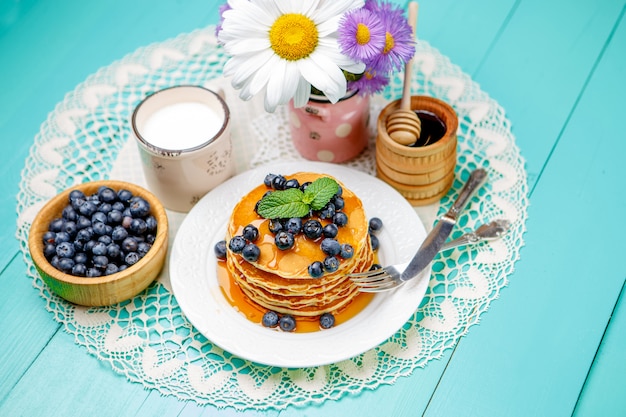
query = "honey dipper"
x=403 y=125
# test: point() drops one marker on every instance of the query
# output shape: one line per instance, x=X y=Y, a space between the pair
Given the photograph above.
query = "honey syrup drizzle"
x=254 y=312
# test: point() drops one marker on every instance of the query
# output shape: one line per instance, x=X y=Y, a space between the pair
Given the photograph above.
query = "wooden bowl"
x=104 y=290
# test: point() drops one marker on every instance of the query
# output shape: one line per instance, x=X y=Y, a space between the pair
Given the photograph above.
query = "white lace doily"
x=148 y=338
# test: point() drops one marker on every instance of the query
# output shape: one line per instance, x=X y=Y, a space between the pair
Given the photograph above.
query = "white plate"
x=194 y=279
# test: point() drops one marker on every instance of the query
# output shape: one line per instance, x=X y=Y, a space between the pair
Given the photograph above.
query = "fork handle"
x=477 y=177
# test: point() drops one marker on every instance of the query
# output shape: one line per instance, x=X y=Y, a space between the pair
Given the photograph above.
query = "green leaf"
x=283 y=204
x=319 y=192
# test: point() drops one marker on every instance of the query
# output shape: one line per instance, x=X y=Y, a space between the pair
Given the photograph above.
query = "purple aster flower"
x=361 y=34
x=221 y=11
x=399 y=41
x=371 y=82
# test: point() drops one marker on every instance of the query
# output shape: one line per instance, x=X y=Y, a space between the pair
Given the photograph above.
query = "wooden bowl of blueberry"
x=99 y=243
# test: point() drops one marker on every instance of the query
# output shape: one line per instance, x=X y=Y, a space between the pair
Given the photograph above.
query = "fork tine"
x=371 y=278
x=386 y=286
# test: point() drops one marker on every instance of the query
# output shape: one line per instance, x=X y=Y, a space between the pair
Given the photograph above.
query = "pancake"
x=279 y=280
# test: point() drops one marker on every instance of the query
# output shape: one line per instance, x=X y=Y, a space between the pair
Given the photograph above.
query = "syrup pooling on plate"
x=304 y=276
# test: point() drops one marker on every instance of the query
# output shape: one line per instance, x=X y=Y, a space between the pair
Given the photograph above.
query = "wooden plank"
x=25 y=324
x=603 y=394
x=531 y=354
x=546 y=51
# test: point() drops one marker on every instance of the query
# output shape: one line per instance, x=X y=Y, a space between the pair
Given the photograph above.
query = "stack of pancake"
x=279 y=279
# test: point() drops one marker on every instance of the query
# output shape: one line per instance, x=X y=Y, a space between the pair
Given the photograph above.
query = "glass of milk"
x=183 y=134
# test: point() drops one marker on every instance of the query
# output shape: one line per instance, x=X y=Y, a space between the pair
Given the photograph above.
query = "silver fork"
x=380 y=280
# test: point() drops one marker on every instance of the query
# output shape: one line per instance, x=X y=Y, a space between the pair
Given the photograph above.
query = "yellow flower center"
x=362 y=34
x=293 y=36
x=389 y=43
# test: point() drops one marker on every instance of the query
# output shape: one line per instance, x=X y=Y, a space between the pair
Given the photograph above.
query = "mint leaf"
x=283 y=204
x=319 y=192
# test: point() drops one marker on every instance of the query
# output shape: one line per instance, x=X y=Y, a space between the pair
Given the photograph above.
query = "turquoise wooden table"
x=552 y=344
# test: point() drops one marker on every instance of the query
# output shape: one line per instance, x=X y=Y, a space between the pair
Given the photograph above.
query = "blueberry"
x=279 y=182
x=105 y=208
x=327 y=320
x=292 y=183
x=151 y=224
x=119 y=233
x=84 y=235
x=81 y=258
x=65 y=250
x=99 y=217
x=76 y=194
x=82 y=222
x=270 y=319
x=49 y=250
x=124 y=195
x=114 y=217
x=250 y=233
x=99 y=249
x=375 y=242
x=69 y=214
x=305 y=185
x=131 y=258
x=56 y=225
x=338 y=202
x=312 y=229
x=139 y=207
x=107 y=195
x=99 y=228
x=220 y=249
x=330 y=247
x=275 y=226
x=284 y=240
x=347 y=251
x=75 y=204
x=62 y=237
x=88 y=208
x=93 y=273
x=118 y=205
x=339 y=192
x=89 y=245
x=79 y=270
x=54 y=261
x=237 y=244
x=331 y=264
x=251 y=252
x=287 y=323
x=316 y=269
x=330 y=230
x=114 y=251
x=340 y=219
x=111 y=269
x=129 y=244
x=375 y=224
x=293 y=225
x=106 y=239
x=328 y=211
x=100 y=261
x=269 y=180
x=138 y=226
x=143 y=248
x=127 y=219
x=49 y=237
x=66 y=265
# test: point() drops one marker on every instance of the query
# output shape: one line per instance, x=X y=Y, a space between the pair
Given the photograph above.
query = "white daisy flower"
x=282 y=47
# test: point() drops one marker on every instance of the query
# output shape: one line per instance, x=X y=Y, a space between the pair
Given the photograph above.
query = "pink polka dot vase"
x=322 y=131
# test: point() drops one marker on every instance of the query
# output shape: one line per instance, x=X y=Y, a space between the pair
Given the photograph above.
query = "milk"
x=182 y=125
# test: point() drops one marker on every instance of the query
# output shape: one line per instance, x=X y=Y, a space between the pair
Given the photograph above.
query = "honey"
x=254 y=312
